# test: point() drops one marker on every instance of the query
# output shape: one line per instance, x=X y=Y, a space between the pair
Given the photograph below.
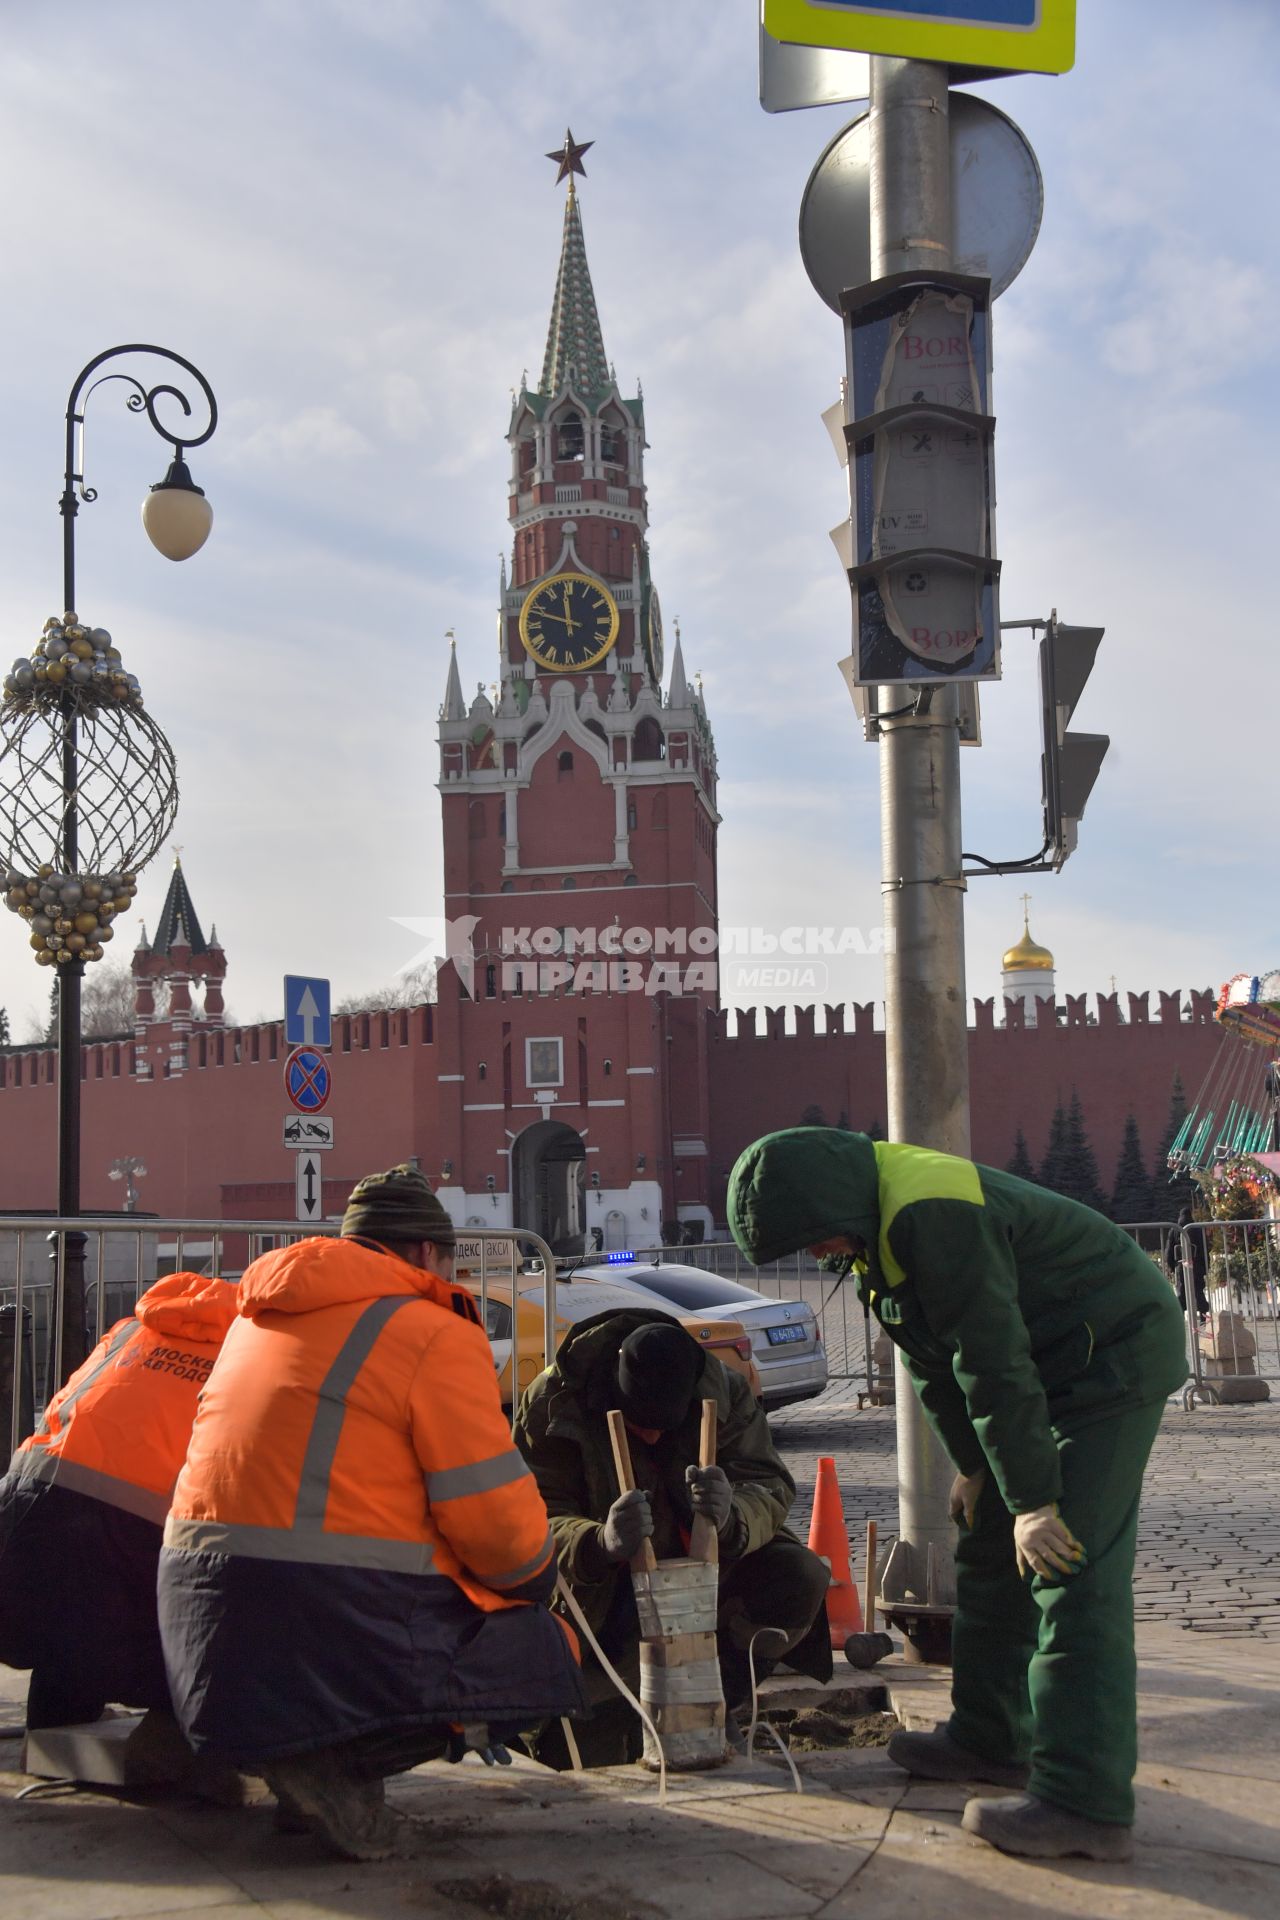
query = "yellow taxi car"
x=581 y=1299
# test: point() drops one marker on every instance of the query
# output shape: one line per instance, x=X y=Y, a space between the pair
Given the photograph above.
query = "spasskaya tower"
x=579 y=810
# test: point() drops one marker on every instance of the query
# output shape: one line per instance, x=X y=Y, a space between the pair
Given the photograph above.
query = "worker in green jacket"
x=1043 y=1345
x=772 y=1589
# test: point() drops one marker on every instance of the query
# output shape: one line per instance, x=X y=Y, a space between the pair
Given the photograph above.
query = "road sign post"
x=926 y=1029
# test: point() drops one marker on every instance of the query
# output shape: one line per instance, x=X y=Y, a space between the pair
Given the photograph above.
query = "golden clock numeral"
x=552 y=654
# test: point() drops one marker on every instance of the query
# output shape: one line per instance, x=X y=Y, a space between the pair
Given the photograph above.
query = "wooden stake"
x=704 y=1542
x=869 y=1603
x=645 y=1560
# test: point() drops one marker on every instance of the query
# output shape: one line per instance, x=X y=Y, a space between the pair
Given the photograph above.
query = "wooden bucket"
x=676 y=1601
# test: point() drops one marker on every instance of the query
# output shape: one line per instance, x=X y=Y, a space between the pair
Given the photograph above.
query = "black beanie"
x=657 y=1372
x=397 y=1207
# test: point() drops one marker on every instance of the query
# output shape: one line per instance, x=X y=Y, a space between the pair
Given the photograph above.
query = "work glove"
x=476 y=1739
x=1045 y=1544
x=630 y=1520
x=966 y=1491
x=710 y=1494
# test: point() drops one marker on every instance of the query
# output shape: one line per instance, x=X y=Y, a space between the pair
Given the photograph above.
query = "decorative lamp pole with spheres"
x=88 y=782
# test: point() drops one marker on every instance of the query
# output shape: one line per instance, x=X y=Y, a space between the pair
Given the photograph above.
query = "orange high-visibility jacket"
x=118 y=1430
x=353 y=1420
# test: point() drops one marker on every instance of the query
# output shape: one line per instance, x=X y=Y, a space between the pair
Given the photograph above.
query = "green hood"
x=793 y=1189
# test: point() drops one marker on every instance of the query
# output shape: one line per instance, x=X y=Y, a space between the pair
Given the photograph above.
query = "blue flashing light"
x=620 y=1259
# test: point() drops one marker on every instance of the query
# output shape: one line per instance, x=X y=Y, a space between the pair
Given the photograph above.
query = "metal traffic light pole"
x=926 y=1019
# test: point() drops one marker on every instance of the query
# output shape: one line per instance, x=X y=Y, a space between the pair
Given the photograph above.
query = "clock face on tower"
x=653 y=636
x=569 y=622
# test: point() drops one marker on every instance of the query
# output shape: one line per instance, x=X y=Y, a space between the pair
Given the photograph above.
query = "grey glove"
x=630 y=1521
x=710 y=1493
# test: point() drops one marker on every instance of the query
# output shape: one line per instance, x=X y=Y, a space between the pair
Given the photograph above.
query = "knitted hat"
x=397 y=1206
x=658 y=1369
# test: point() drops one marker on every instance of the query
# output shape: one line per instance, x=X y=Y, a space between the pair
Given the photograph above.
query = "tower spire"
x=455 y=707
x=574 y=337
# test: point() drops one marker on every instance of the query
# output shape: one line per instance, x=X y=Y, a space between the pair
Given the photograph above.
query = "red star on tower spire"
x=569 y=158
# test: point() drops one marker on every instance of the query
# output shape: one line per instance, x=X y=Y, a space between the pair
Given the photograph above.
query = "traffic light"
x=921 y=475
x=1070 y=762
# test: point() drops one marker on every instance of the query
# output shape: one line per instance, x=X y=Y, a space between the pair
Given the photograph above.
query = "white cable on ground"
x=580 y=1619
x=755 y=1711
x=571 y=1741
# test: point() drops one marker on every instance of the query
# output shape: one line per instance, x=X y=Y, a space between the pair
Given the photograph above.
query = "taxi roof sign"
x=1005 y=36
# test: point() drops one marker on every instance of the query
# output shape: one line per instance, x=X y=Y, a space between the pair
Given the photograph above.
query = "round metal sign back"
x=997 y=200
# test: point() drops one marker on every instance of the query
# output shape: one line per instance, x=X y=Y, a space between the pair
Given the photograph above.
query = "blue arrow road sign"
x=307 y=1080
x=306 y=1012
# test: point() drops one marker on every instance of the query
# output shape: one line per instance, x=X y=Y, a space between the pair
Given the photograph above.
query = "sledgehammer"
x=865 y=1649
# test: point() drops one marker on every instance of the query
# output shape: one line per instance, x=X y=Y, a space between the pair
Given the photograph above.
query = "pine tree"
x=842 y=1124
x=1079 y=1176
x=1021 y=1161
x=813 y=1117
x=1169 y=1193
x=1131 y=1194
x=1051 y=1166
x=4 y=1027
x=875 y=1131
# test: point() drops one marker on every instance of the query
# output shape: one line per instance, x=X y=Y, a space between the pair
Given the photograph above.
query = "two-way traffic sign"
x=306 y=1012
x=310 y=1187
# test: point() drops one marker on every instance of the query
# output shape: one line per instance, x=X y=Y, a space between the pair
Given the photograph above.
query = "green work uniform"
x=1043 y=1344
x=767 y=1577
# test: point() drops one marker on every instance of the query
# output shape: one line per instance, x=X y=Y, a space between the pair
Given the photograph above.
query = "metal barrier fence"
x=123 y=1257
x=1240 y=1261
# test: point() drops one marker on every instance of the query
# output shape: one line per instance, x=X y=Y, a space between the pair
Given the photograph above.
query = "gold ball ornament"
x=44 y=871
x=76 y=943
x=82 y=648
x=106 y=933
x=93 y=953
x=38 y=941
x=55 y=673
x=63 y=926
x=124 y=901
x=44 y=959
x=63 y=956
x=86 y=923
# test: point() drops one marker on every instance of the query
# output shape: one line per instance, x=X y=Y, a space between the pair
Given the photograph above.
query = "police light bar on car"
x=620 y=1259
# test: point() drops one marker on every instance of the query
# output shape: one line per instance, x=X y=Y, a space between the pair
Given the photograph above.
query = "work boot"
x=351 y=1814
x=936 y=1756
x=156 y=1754
x=1025 y=1825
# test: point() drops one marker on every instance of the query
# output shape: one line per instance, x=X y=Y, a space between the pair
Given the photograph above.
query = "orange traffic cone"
x=828 y=1538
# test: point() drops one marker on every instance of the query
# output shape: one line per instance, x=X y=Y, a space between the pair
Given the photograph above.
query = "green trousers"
x=1045 y=1670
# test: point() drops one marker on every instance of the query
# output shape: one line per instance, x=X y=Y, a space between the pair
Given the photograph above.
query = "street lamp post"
x=106 y=773
x=130 y=1169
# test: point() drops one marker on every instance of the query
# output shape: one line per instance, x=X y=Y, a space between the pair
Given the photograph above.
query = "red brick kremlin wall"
x=212 y=1137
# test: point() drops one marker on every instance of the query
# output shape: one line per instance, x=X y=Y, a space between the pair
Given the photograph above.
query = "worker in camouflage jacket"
x=1043 y=1344
x=772 y=1589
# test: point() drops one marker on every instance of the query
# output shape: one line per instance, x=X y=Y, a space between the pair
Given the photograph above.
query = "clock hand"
x=554 y=616
x=568 y=621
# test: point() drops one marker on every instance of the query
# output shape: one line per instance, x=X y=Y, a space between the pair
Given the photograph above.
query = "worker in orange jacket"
x=83 y=1504
x=357 y=1555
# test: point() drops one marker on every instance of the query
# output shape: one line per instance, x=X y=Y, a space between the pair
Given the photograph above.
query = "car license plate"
x=778 y=1336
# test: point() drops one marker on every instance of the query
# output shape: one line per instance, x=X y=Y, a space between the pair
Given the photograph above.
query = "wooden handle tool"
x=704 y=1542
x=869 y=1600
x=645 y=1560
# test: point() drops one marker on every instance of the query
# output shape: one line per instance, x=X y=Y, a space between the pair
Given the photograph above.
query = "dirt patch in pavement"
x=830 y=1720
x=498 y=1893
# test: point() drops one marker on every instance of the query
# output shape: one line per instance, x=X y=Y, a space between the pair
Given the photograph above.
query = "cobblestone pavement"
x=1209 y=1532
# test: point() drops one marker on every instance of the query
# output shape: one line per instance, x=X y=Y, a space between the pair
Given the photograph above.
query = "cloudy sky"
x=340 y=211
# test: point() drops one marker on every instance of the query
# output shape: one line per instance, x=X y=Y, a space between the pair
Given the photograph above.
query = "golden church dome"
x=1027 y=957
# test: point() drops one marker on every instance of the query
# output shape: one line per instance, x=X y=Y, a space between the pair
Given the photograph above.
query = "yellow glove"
x=1045 y=1544
x=966 y=1490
